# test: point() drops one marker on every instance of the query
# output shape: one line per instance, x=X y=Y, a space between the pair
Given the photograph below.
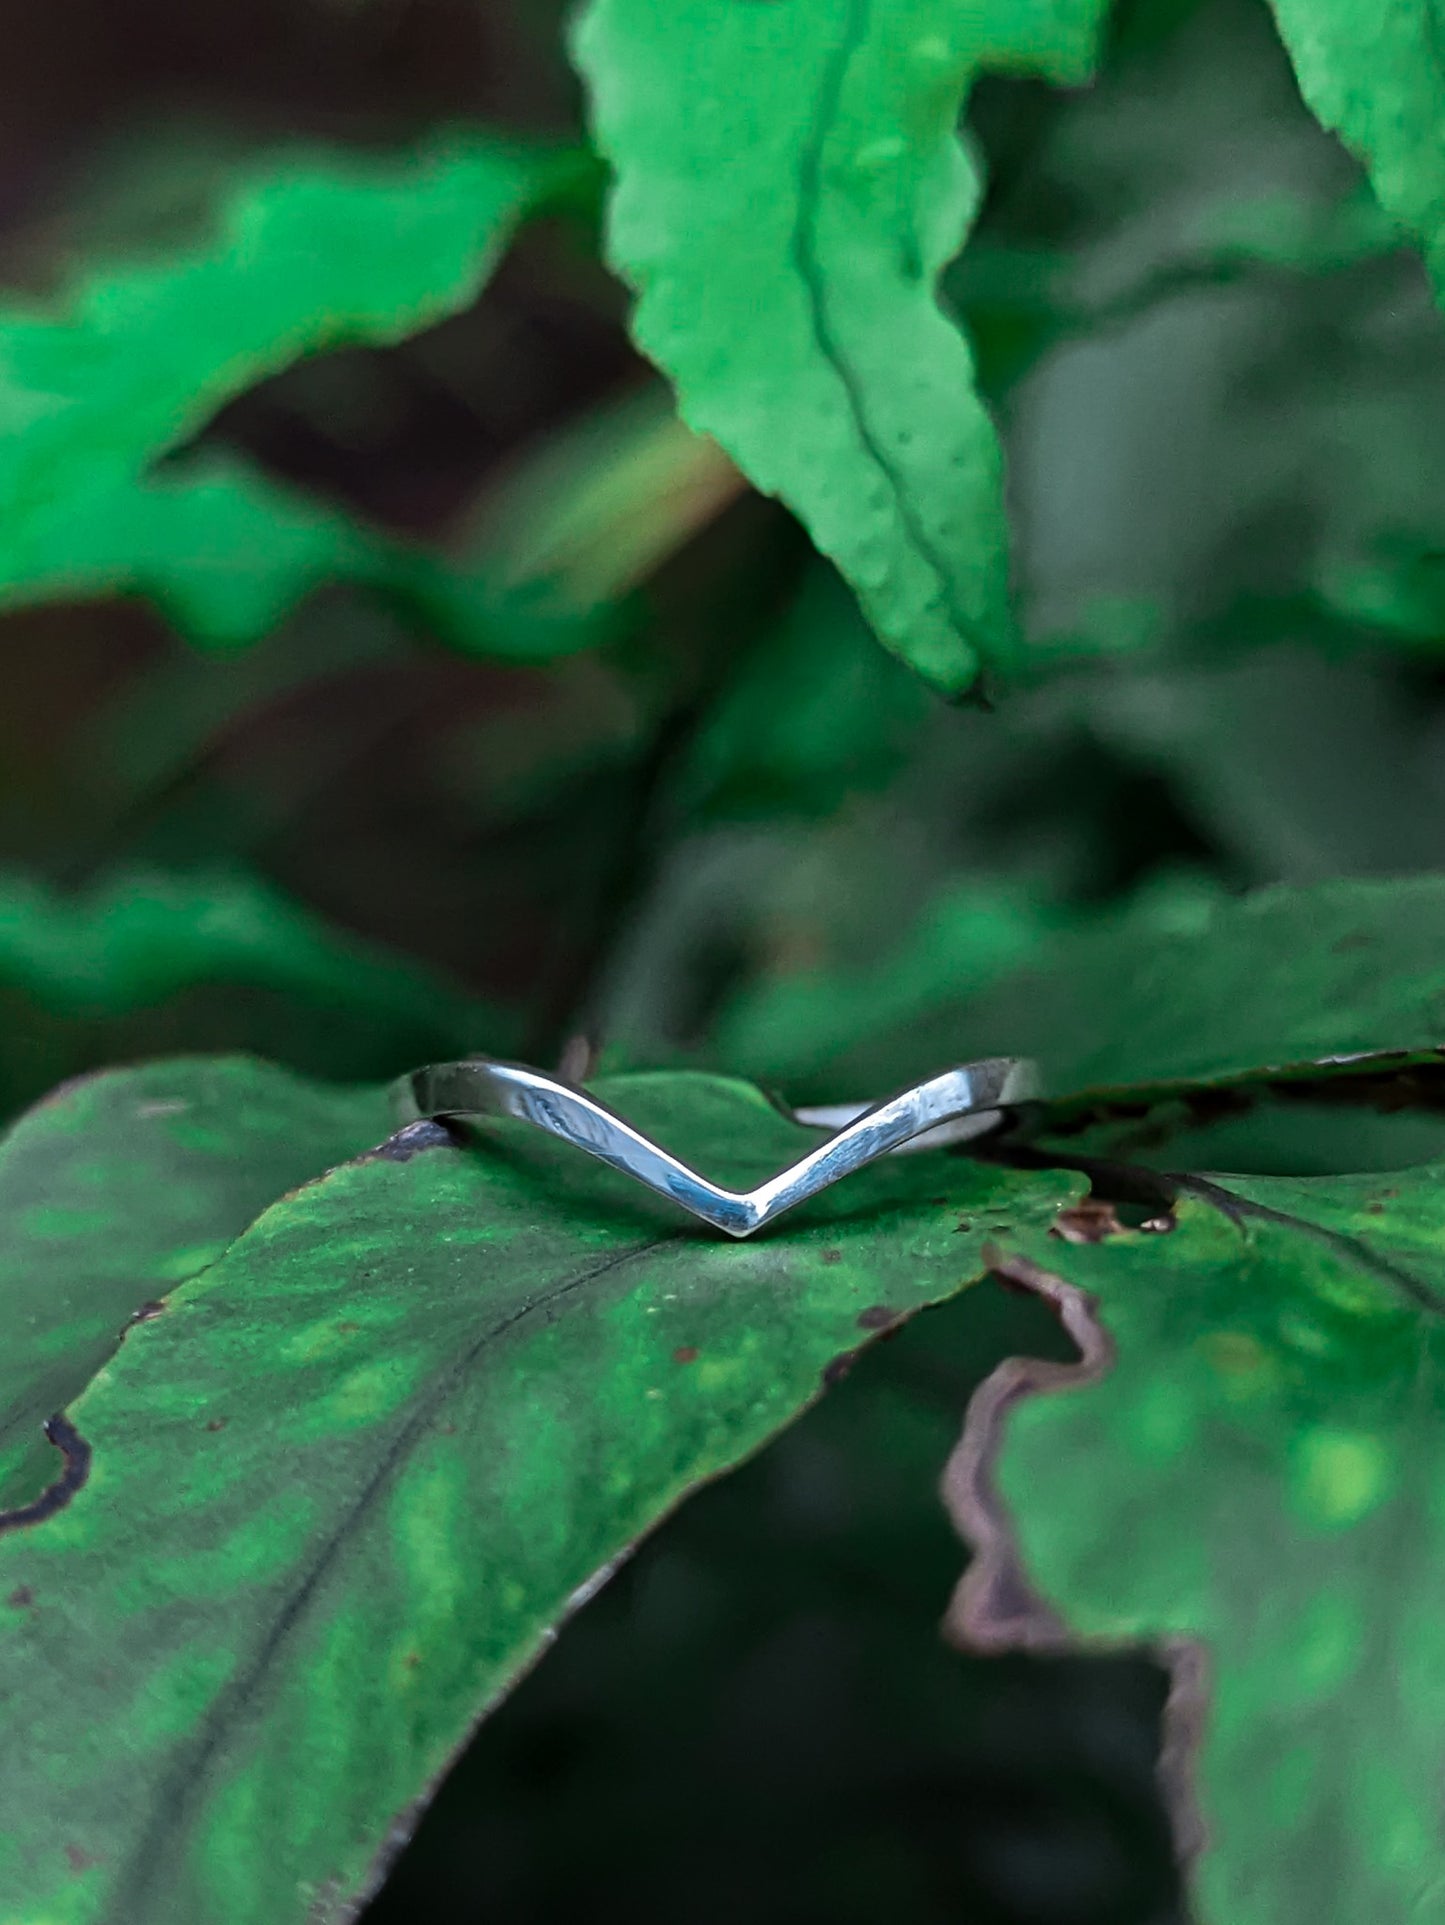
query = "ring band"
x=952 y=1107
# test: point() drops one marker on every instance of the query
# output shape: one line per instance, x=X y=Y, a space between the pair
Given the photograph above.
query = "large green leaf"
x=1183 y=989
x=1245 y=1471
x=148 y=961
x=343 y=1489
x=789 y=186
x=119 y=1187
x=304 y=250
x=143 y=933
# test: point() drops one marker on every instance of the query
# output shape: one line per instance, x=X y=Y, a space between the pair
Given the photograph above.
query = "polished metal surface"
x=949 y=1108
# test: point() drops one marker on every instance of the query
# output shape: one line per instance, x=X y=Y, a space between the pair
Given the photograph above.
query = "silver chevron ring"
x=952 y=1107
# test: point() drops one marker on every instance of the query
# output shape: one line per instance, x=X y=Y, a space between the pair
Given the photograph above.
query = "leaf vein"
x=179 y=1794
x=811 y=272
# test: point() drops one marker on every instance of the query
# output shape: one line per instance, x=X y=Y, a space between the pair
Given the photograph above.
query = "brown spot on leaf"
x=428 y=1134
x=1089 y=1221
x=686 y=1353
x=21 y=1598
x=830 y=1256
x=1344 y=944
x=838 y=1367
x=78 y=1859
x=963 y=1223
x=216 y=1423
x=877 y=1317
x=147 y=1310
x=348 y=1328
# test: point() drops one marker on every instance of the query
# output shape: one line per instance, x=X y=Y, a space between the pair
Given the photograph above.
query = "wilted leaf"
x=344 y=1487
x=789 y=186
x=1244 y=1472
x=118 y=1188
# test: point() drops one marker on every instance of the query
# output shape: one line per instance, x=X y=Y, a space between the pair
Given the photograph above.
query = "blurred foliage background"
x=665 y=791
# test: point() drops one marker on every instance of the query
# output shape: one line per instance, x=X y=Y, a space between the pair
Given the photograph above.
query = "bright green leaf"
x=1245 y=1472
x=345 y=1486
x=226 y=554
x=120 y=1187
x=305 y=250
x=789 y=186
x=1377 y=78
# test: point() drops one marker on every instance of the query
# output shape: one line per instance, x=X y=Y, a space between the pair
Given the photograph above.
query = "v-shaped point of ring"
x=949 y=1108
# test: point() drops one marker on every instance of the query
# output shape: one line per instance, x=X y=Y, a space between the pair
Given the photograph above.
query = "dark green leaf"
x=1183 y=989
x=1245 y=1474
x=150 y=961
x=815 y=715
x=345 y=1486
x=789 y=186
x=120 y=1187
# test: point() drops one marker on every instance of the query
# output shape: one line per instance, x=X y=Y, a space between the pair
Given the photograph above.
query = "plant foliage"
x=312 y=1435
x=789 y=187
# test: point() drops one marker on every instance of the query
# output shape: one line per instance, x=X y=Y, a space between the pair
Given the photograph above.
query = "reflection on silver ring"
x=952 y=1107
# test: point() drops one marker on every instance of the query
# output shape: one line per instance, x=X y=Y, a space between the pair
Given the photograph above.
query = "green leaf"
x=304 y=250
x=1280 y=984
x=1245 y=1473
x=120 y=1187
x=226 y=554
x=1378 y=81
x=147 y=961
x=789 y=186
x=1183 y=989
x=342 y=1491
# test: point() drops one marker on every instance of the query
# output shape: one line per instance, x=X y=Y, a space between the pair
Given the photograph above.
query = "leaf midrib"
x=180 y=1792
x=857 y=24
x=1230 y=1204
